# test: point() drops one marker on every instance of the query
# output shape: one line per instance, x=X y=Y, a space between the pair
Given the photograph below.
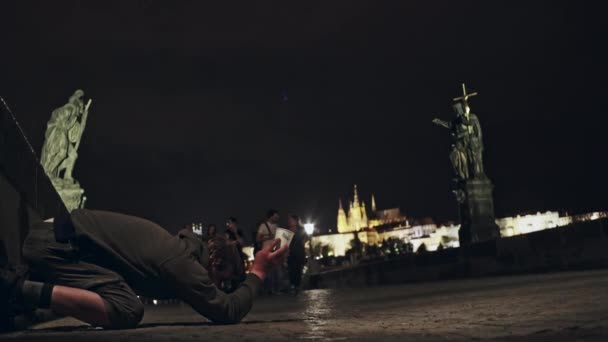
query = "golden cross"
x=464 y=96
x=465 y=102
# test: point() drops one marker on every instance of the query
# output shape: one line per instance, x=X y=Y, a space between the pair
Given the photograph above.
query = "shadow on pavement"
x=274 y=321
x=88 y=328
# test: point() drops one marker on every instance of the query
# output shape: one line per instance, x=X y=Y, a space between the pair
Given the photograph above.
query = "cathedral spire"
x=356 y=197
x=373 y=204
x=342 y=220
x=364 y=219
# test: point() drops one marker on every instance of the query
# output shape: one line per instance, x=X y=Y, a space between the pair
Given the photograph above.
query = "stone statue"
x=475 y=146
x=473 y=132
x=472 y=188
x=467 y=149
x=459 y=155
x=60 y=149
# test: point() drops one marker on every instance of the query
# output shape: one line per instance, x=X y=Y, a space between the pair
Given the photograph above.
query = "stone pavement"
x=548 y=307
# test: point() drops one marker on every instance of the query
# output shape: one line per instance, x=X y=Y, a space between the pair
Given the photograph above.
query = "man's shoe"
x=11 y=282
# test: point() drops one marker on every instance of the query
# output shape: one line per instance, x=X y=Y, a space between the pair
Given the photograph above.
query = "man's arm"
x=193 y=285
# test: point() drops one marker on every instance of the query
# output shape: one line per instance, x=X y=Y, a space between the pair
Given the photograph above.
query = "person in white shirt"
x=264 y=237
x=267 y=228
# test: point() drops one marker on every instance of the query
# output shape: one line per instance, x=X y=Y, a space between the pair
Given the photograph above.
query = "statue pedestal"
x=71 y=194
x=477 y=222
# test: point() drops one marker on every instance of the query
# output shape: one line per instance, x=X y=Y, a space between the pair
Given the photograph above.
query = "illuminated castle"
x=356 y=219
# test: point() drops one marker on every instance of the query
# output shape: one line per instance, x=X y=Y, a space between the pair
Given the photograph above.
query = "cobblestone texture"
x=548 y=307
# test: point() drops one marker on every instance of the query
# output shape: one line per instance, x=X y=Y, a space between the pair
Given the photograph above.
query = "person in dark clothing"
x=297 y=253
x=265 y=235
x=234 y=233
x=211 y=232
x=96 y=274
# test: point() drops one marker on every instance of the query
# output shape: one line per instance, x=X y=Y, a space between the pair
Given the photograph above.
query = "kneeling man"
x=93 y=264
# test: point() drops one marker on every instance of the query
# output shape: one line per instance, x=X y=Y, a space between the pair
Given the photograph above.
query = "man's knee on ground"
x=124 y=315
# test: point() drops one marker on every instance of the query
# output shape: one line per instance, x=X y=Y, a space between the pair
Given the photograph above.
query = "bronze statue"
x=476 y=146
x=472 y=188
x=459 y=155
x=467 y=149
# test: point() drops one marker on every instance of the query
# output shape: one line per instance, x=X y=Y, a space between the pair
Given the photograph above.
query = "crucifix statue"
x=473 y=189
x=475 y=142
x=467 y=148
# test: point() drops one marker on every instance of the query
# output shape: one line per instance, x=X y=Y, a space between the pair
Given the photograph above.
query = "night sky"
x=204 y=111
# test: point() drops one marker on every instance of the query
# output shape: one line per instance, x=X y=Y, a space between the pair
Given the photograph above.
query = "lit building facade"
x=357 y=217
x=446 y=236
x=510 y=226
x=197 y=228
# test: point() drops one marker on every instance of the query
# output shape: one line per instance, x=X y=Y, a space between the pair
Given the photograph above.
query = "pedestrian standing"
x=297 y=253
x=234 y=235
x=265 y=236
x=211 y=232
